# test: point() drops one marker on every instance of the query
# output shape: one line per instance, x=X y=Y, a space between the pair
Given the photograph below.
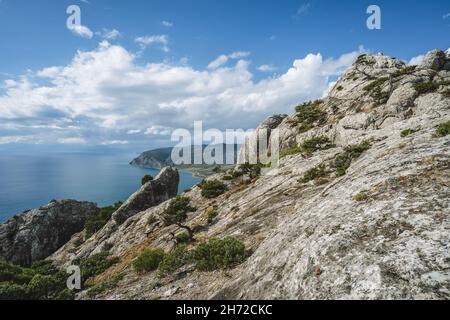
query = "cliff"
x=357 y=208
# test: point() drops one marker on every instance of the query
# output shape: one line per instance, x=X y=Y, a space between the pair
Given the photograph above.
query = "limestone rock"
x=35 y=235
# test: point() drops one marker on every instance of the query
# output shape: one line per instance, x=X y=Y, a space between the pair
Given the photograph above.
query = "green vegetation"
x=343 y=161
x=183 y=238
x=146 y=178
x=218 y=254
x=314 y=144
x=253 y=170
x=151 y=220
x=405 y=71
x=227 y=178
x=443 y=129
x=173 y=261
x=339 y=88
x=314 y=173
x=428 y=87
x=362 y=196
x=292 y=151
x=176 y=213
x=362 y=59
x=408 y=132
x=375 y=90
x=94 y=224
x=95 y=265
x=213 y=188
x=42 y=281
x=212 y=216
x=104 y=286
x=310 y=114
x=149 y=260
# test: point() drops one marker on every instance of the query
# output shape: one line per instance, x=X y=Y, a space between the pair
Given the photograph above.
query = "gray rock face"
x=381 y=231
x=162 y=188
x=434 y=60
x=37 y=234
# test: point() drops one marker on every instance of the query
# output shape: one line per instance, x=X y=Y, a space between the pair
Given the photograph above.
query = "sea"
x=30 y=181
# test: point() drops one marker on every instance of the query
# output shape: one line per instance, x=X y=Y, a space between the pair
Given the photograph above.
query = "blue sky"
x=153 y=66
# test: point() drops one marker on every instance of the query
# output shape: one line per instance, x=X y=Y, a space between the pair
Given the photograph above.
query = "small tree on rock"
x=176 y=213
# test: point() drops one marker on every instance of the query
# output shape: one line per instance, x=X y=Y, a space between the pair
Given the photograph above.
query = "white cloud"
x=223 y=59
x=167 y=24
x=304 y=8
x=114 y=142
x=14 y=139
x=416 y=60
x=105 y=93
x=109 y=34
x=162 y=41
x=445 y=16
x=82 y=31
x=158 y=130
x=72 y=140
x=267 y=68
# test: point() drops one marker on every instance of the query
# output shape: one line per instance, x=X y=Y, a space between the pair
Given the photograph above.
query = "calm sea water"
x=28 y=182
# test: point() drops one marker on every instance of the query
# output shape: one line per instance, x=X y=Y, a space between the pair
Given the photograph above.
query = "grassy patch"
x=405 y=71
x=95 y=265
x=343 y=160
x=213 y=188
x=148 y=260
x=362 y=196
x=428 y=87
x=375 y=90
x=105 y=286
x=408 y=132
x=290 y=152
x=443 y=129
x=227 y=178
x=363 y=59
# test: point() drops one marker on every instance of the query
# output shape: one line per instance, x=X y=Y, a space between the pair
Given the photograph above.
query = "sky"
x=134 y=71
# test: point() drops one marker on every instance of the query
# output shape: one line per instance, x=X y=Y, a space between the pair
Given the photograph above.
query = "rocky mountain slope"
x=357 y=208
x=38 y=233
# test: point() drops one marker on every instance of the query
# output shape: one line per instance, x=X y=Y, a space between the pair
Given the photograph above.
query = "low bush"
x=148 y=260
x=405 y=71
x=95 y=264
x=212 y=216
x=407 y=132
x=173 y=261
x=183 y=238
x=428 y=87
x=314 y=173
x=218 y=254
x=290 y=152
x=362 y=196
x=213 y=188
x=314 y=144
x=227 y=178
x=94 y=224
x=146 y=178
x=309 y=115
x=343 y=160
x=443 y=129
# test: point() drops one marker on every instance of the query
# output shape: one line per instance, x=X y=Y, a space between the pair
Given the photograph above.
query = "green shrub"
x=426 y=87
x=343 y=161
x=443 y=129
x=314 y=173
x=177 y=210
x=213 y=188
x=212 y=216
x=339 y=88
x=310 y=114
x=13 y=291
x=312 y=145
x=376 y=83
x=183 y=238
x=94 y=224
x=363 y=59
x=104 y=286
x=376 y=91
x=177 y=258
x=218 y=254
x=15 y=274
x=227 y=178
x=95 y=265
x=407 y=132
x=149 y=260
x=292 y=151
x=405 y=71
x=362 y=196
x=146 y=178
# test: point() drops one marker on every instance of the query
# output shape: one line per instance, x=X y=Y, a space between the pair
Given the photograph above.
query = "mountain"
x=160 y=158
x=356 y=209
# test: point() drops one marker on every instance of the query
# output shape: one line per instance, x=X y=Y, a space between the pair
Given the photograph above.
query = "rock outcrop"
x=35 y=235
x=162 y=188
x=341 y=222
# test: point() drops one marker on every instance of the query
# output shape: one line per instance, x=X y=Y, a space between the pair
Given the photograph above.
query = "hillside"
x=357 y=208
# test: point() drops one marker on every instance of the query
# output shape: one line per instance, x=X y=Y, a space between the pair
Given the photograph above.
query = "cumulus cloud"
x=82 y=31
x=108 y=96
x=167 y=24
x=109 y=34
x=223 y=59
x=267 y=68
x=416 y=60
x=445 y=16
x=161 y=41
